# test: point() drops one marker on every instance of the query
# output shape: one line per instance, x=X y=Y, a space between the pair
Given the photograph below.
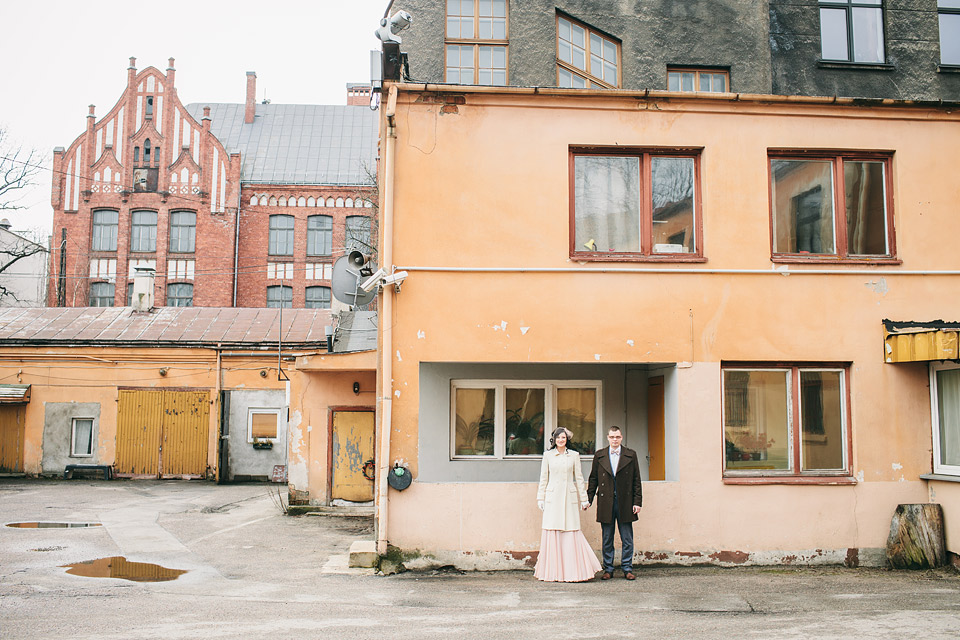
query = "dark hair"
x=613 y=428
x=558 y=431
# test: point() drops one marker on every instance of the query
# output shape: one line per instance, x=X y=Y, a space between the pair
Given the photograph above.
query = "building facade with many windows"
x=855 y=48
x=230 y=204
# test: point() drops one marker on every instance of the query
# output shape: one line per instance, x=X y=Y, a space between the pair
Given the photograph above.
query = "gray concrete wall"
x=58 y=430
x=653 y=34
x=242 y=458
x=912 y=37
x=624 y=404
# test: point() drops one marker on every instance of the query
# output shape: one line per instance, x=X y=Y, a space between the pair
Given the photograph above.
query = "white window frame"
x=500 y=428
x=73 y=437
x=944 y=469
x=251 y=411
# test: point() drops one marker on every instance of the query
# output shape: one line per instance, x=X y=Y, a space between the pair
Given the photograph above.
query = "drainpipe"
x=386 y=349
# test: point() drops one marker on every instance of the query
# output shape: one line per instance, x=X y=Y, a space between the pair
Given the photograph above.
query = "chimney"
x=251 y=109
x=143 y=288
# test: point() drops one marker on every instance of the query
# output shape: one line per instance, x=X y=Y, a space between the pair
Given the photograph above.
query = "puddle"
x=120 y=567
x=53 y=525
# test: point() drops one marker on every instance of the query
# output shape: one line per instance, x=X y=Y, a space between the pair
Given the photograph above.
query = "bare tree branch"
x=19 y=168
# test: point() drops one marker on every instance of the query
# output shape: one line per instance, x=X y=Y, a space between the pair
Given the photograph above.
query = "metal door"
x=162 y=433
x=353 y=456
x=12 y=431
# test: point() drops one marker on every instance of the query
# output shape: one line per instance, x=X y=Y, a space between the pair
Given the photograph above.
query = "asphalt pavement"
x=250 y=572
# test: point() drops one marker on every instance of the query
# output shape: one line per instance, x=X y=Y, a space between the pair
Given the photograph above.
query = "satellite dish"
x=349 y=272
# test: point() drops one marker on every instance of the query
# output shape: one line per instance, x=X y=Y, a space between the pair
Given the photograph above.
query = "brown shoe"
x=606 y=576
x=629 y=576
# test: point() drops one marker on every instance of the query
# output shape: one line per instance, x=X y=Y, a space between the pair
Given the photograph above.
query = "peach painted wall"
x=487 y=187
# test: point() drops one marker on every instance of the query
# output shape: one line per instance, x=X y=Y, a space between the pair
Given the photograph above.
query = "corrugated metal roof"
x=15 y=393
x=921 y=341
x=165 y=326
x=298 y=143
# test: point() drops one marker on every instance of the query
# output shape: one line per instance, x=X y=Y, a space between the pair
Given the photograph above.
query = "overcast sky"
x=61 y=55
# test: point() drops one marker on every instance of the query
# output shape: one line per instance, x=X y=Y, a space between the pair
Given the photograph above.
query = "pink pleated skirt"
x=565 y=556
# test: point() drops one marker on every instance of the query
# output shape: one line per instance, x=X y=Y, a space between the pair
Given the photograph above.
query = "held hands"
x=540 y=504
x=584 y=505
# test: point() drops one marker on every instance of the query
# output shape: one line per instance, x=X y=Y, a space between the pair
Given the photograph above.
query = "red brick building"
x=232 y=204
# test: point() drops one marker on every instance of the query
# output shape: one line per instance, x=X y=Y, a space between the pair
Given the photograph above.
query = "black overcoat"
x=629 y=491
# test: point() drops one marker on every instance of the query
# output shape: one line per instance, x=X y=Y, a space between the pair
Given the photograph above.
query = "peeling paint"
x=399 y=359
x=421 y=335
x=630 y=342
x=397 y=393
x=897 y=466
x=523 y=330
x=860 y=476
x=596 y=356
x=879 y=286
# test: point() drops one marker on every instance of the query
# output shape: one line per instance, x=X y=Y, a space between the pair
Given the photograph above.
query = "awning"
x=14 y=393
x=920 y=341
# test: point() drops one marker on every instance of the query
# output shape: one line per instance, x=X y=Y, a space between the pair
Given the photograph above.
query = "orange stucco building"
x=710 y=273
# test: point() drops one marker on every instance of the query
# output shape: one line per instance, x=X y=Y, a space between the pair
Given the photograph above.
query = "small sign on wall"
x=279 y=473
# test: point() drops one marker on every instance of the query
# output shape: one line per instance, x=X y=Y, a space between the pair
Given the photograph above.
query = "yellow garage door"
x=11 y=438
x=162 y=433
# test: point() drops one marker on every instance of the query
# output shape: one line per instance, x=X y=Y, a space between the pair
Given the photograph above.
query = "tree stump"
x=916 y=537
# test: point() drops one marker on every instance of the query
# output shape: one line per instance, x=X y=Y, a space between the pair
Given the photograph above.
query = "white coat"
x=562 y=490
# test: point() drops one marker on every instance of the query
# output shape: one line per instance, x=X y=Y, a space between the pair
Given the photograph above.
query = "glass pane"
x=499 y=57
x=821 y=412
x=948 y=405
x=486 y=28
x=564 y=51
x=719 y=82
x=474 y=422
x=607 y=203
x=499 y=78
x=596 y=66
x=564 y=78
x=578 y=36
x=486 y=58
x=610 y=73
x=485 y=8
x=579 y=58
x=563 y=27
x=833 y=34
x=579 y=82
x=803 y=206
x=577 y=411
x=866 y=208
x=673 y=203
x=500 y=8
x=524 y=409
x=950 y=37
x=500 y=28
x=949 y=4
x=82 y=437
x=867 y=34
x=609 y=51
x=686 y=81
x=453 y=28
x=485 y=77
x=673 y=81
x=596 y=45
x=756 y=419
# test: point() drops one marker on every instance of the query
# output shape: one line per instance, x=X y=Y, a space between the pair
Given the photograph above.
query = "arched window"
x=146 y=151
x=279 y=296
x=183 y=231
x=143 y=231
x=317 y=298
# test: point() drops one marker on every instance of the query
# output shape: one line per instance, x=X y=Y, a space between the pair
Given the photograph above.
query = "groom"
x=615 y=480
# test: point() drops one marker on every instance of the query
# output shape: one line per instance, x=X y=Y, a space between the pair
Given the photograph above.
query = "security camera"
x=390 y=28
x=373 y=281
x=395 y=278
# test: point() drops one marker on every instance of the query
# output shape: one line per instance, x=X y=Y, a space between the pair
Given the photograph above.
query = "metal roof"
x=911 y=341
x=298 y=143
x=164 y=326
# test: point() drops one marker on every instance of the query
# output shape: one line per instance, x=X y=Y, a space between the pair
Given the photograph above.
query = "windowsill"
x=939 y=477
x=81 y=456
x=817 y=480
x=948 y=68
x=861 y=66
x=280 y=258
x=321 y=259
x=636 y=257
x=822 y=259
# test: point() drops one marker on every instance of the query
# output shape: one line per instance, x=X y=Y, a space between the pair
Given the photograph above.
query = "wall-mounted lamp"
x=163 y=371
x=356 y=388
x=263 y=373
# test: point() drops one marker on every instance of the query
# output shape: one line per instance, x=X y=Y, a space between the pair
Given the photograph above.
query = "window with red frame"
x=831 y=205
x=785 y=420
x=635 y=205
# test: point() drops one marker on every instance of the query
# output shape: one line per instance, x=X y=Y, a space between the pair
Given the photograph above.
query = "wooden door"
x=352 y=443
x=162 y=433
x=139 y=429
x=656 y=448
x=12 y=432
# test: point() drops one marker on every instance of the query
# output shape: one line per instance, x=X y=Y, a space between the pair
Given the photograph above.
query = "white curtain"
x=948 y=398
